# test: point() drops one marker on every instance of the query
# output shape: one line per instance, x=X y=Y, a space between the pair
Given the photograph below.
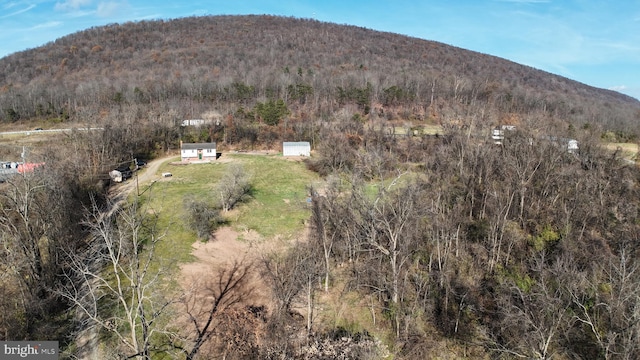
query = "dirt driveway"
x=142 y=176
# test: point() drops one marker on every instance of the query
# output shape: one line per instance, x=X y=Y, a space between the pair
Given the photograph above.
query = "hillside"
x=194 y=65
x=392 y=240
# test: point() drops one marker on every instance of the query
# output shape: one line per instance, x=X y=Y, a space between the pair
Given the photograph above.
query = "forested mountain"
x=442 y=245
x=198 y=64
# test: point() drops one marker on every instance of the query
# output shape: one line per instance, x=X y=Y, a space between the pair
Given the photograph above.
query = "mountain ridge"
x=212 y=53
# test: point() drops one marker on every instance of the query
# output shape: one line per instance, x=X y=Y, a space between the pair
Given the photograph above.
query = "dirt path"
x=226 y=247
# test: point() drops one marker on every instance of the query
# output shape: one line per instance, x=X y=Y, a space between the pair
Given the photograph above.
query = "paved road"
x=30 y=132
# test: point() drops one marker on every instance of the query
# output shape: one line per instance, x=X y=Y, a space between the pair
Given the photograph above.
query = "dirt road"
x=139 y=182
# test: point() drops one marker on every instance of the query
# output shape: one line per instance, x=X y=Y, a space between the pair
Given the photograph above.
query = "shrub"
x=204 y=217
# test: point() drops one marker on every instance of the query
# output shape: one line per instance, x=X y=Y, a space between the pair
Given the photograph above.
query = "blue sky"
x=596 y=42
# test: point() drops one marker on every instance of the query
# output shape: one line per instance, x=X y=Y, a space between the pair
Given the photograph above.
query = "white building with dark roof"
x=197 y=151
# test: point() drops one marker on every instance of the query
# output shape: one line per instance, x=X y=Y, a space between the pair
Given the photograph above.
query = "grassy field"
x=277 y=207
x=417 y=130
x=629 y=150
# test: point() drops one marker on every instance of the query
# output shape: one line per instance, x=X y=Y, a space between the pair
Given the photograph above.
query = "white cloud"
x=49 y=24
x=619 y=88
x=198 y=12
x=150 y=17
x=111 y=8
x=10 y=5
x=71 y=5
x=18 y=11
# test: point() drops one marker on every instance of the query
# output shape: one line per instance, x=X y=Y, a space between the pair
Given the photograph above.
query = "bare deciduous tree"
x=113 y=283
x=387 y=228
x=286 y=273
x=234 y=186
x=24 y=224
x=610 y=311
x=534 y=315
x=327 y=222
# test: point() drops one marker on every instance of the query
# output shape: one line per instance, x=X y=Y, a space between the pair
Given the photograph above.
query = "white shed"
x=300 y=148
x=572 y=145
x=197 y=151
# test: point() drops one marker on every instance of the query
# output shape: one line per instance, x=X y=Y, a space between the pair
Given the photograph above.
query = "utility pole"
x=135 y=162
x=23 y=155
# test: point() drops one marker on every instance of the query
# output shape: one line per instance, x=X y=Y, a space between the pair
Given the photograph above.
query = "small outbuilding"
x=299 y=148
x=197 y=151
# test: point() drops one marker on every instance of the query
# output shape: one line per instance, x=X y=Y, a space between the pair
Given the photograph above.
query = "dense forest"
x=230 y=63
x=464 y=248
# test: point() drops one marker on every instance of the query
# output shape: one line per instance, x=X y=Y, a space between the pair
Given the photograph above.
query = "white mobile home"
x=300 y=148
x=195 y=122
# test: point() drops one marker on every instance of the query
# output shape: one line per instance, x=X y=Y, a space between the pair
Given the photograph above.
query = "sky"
x=596 y=42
